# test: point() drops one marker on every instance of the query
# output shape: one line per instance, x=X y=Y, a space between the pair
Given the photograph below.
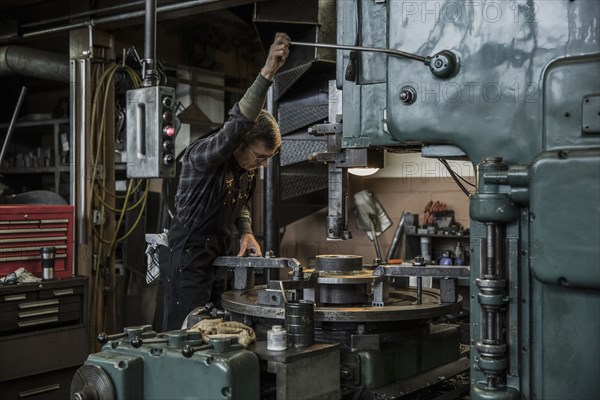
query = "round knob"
x=167 y=101
x=443 y=64
x=408 y=95
x=168 y=145
x=167 y=116
x=102 y=338
x=169 y=159
x=187 y=351
x=137 y=342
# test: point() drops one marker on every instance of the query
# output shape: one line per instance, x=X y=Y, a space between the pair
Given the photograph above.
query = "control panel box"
x=25 y=229
x=151 y=130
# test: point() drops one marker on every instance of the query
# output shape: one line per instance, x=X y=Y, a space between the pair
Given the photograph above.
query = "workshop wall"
x=306 y=238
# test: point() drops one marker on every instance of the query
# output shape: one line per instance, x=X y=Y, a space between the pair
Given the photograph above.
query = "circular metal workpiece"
x=356 y=278
x=338 y=262
x=402 y=306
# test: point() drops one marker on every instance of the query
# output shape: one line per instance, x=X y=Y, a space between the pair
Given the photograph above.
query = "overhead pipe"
x=130 y=15
x=19 y=60
x=83 y=14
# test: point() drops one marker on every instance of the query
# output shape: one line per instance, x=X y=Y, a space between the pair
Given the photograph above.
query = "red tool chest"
x=24 y=229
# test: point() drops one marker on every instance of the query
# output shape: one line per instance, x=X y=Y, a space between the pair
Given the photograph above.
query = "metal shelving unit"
x=28 y=137
x=439 y=244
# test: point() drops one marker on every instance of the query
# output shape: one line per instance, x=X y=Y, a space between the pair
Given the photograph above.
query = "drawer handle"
x=37 y=313
x=63 y=292
x=34 y=239
x=30 y=248
x=41 y=303
x=45 y=389
x=27 y=258
x=9 y=231
x=24 y=324
x=15 y=297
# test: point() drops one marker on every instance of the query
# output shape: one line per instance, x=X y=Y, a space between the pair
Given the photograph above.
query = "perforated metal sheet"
x=292 y=118
x=297 y=151
x=286 y=79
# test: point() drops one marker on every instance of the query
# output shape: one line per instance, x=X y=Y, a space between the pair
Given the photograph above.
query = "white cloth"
x=219 y=329
x=154 y=240
x=22 y=276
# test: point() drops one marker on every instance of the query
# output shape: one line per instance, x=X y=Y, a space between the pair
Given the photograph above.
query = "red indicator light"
x=169 y=131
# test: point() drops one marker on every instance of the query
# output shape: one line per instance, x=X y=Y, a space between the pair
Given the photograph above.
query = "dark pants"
x=189 y=278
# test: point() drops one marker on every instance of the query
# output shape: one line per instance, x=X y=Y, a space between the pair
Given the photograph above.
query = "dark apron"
x=189 y=278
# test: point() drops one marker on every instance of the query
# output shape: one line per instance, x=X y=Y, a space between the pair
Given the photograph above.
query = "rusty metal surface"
x=255 y=262
x=434 y=271
x=401 y=307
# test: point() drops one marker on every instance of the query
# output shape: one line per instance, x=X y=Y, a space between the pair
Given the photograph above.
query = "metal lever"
x=12 y=123
x=443 y=64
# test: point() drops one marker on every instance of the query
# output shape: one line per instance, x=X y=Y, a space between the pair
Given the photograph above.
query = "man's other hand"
x=249 y=246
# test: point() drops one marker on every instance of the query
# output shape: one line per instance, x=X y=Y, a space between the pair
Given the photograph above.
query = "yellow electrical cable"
x=99 y=190
x=131 y=208
x=107 y=78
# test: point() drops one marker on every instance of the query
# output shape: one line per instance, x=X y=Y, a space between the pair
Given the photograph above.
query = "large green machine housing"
x=523 y=104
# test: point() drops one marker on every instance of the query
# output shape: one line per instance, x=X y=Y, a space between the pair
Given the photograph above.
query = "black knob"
x=102 y=338
x=187 y=351
x=169 y=159
x=137 y=342
x=167 y=116
x=168 y=145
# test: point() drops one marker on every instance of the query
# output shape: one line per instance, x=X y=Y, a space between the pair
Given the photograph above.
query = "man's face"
x=251 y=155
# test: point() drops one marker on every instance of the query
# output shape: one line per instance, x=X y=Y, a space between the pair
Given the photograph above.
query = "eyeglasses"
x=260 y=158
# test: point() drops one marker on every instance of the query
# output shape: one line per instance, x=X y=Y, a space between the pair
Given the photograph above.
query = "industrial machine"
x=350 y=334
x=514 y=88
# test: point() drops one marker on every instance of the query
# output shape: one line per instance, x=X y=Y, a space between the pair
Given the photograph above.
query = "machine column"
x=493 y=207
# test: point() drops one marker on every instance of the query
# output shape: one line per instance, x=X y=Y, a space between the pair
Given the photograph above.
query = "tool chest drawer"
x=31 y=306
x=43 y=328
x=50 y=386
x=24 y=229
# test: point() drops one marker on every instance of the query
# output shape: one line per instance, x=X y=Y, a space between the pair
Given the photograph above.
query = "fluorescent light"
x=362 y=171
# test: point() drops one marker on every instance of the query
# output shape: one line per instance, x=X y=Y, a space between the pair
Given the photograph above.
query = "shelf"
x=41 y=122
x=440 y=236
x=37 y=142
x=413 y=245
x=35 y=170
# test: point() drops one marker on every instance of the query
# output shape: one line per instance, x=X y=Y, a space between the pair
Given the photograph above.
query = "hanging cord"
x=457 y=178
x=104 y=247
x=99 y=189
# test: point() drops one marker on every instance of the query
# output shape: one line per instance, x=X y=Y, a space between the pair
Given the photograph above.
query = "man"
x=217 y=180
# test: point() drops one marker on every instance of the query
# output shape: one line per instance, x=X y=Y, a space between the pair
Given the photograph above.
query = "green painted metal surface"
x=528 y=91
x=413 y=354
x=565 y=244
x=162 y=372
